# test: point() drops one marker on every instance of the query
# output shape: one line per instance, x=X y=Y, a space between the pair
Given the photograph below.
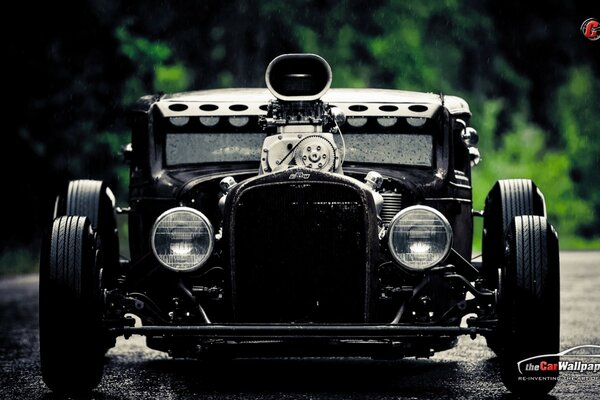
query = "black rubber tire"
x=509 y=198
x=93 y=199
x=71 y=336
x=529 y=304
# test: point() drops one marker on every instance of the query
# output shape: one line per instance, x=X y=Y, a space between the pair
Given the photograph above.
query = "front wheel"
x=528 y=306
x=71 y=339
x=509 y=198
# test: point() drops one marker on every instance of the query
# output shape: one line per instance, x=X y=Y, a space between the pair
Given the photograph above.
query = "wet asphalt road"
x=133 y=372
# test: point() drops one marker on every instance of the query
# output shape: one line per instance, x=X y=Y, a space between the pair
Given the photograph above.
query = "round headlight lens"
x=419 y=237
x=182 y=239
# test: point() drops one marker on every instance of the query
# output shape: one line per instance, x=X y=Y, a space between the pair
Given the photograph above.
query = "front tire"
x=71 y=339
x=528 y=305
x=509 y=198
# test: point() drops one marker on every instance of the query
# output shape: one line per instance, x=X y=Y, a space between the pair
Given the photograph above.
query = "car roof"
x=353 y=102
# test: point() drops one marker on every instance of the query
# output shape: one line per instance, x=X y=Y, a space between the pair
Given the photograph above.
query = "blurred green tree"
x=529 y=75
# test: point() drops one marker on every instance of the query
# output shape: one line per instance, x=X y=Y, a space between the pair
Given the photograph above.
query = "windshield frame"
x=434 y=125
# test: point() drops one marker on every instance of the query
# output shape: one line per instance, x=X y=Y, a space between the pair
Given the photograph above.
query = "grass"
x=578 y=243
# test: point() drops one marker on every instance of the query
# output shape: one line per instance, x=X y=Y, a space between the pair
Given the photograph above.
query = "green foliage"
x=171 y=78
x=530 y=78
x=564 y=169
x=576 y=116
x=141 y=50
x=20 y=260
x=523 y=153
x=451 y=47
x=153 y=70
x=346 y=73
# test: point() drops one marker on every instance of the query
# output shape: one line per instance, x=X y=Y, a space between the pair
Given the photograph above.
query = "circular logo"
x=591 y=29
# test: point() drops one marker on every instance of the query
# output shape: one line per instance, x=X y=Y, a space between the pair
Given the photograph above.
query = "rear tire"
x=528 y=305
x=509 y=198
x=71 y=336
x=93 y=199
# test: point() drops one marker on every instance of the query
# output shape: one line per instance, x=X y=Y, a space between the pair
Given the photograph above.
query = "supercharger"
x=305 y=126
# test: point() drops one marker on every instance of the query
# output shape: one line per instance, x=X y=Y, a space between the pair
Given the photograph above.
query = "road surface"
x=133 y=372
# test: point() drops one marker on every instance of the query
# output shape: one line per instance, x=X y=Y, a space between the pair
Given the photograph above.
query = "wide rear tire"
x=529 y=304
x=509 y=198
x=95 y=200
x=71 y=337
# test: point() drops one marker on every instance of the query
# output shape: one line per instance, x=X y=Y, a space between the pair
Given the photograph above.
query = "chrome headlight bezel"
x=443 y=224
x=200 y=218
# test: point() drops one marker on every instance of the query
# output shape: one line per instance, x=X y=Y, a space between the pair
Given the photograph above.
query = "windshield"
x=366 y=147
x=198 y=148
x=389 y=148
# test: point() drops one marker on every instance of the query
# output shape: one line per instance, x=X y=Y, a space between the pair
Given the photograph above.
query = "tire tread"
x=93 y=199
x=529 y=300
x=70 y=349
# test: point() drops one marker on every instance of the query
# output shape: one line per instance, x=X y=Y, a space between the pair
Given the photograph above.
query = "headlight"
x=419 y=237
x=182 y=239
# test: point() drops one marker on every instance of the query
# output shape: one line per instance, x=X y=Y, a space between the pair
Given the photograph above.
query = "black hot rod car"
x=299 y=221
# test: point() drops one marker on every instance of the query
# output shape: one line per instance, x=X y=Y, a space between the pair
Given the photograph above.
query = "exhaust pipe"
x=298 y=77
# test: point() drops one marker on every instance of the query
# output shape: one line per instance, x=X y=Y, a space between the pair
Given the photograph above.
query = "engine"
x=305 y=127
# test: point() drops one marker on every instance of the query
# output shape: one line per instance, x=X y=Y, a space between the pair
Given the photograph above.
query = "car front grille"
x=300 y=252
